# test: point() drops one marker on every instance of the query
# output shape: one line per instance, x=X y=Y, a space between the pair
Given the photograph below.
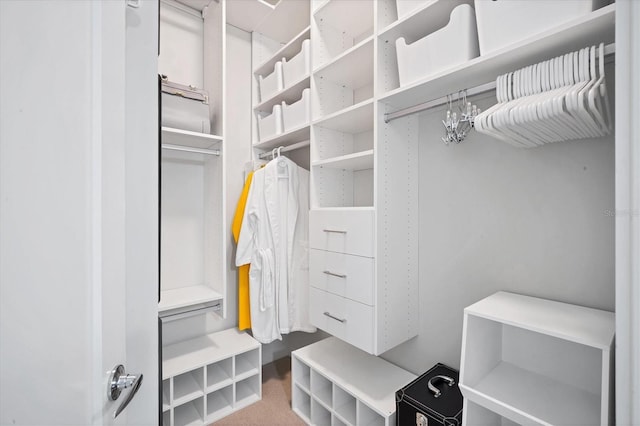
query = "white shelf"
x=357 y=161
x=186 y=388
x=289 y=94
x=245 y=369
x=347 y=15
x=354 y=119
x=190 y=139
x=247 y=391
x=350 y=371
x=353 y=68
x=596 y=27
x=218 y=375
x=346 y=209
x=586 y=326
x=296 y=135
x=187 y=296
x=287 y=51
x=422 y=21
x=527 y=398
x=219 y=403
x=188 y=415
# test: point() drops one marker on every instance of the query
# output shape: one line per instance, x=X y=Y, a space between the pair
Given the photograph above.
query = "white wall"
x=494 y=217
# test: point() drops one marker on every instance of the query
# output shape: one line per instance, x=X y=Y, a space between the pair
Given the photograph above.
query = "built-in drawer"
x=343 y=231
x=342 y=274
x=344 y=318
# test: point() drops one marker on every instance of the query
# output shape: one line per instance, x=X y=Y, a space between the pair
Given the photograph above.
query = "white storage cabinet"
x=207 y=378
x=334 y=383
x=536 y=361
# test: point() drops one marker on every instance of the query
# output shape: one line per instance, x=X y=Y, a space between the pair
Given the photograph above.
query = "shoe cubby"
x=219 y=374
x=209 y=377
x=220 y=402
x=188 y=386
x=190 y=413
x=247 y=364
x=343 y=384
x=483 y=417
x=344 y=405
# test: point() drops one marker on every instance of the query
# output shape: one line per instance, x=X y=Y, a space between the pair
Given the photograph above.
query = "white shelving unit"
x=536 y=361
x=207 y=378
x=334 y=383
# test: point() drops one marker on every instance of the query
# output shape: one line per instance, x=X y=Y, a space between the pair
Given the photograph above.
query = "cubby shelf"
x=298 y=134
x=326 y=386
x=288 y=94
x=211 y=376
x=286 y=51
x=593 y=28
x=189 y=139
x=357 y=161
x=536 y=361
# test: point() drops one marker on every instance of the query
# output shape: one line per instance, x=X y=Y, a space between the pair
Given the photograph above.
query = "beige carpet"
x=275 y=406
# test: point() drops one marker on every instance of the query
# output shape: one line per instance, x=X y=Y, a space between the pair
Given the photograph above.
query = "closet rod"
x=292 y=147
x=189 y=149
x=609 y=51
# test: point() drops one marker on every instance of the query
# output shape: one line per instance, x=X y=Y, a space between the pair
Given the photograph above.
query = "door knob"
x=118 y=381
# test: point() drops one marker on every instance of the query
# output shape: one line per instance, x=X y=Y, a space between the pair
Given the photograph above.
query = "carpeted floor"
x=275 y=406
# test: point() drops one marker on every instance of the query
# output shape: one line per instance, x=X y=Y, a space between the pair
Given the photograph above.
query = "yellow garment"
x=244 y=310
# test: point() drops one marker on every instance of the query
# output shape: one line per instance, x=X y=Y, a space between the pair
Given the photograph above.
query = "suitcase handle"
x=437 y=379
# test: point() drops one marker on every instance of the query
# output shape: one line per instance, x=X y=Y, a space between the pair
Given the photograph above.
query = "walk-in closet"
x=321 y=212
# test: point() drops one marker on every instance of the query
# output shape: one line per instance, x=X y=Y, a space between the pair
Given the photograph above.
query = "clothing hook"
x=279 y=148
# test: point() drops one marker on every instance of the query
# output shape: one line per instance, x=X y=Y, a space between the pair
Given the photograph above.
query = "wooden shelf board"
x=587 y=326
x=591 y=29
x=185 y=356
x=526 y=397
x=289 y=95
x=351 y=370
x=190 y=139
x=288 y=51
x=355 y=119
x=353 y=68
x=187 y=296
x=296 y=135
x=422 y=21
x=357 y=161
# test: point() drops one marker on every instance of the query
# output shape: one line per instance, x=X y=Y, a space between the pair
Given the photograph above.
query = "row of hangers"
x=564 y=98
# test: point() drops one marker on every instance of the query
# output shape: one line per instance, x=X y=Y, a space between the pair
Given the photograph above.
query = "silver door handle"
x=334 y=231
x=119 y=381
x=343 y=320
x=334 y=274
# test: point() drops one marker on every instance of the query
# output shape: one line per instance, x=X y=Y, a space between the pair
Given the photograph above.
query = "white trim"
x=627 y=215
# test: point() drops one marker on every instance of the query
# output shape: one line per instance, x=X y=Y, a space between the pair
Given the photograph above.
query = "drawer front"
x=350 y=321
x=342 y=231
x=342 y=274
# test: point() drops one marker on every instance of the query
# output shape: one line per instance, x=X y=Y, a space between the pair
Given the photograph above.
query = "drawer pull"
x=334 y=274
x=334 y=231
x=343 y=320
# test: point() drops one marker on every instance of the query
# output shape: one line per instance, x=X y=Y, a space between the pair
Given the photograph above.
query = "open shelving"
x=329 y=389
x=358 y=161
x=285 y=139
x=536 y=361
x=288 y=95
x=287 y=51
x=209 y=377
x=188 y=138
x=187 y=297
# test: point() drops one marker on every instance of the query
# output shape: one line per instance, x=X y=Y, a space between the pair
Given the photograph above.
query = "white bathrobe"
x=274 y=240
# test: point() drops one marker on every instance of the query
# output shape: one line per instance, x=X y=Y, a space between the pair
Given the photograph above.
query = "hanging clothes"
x=244 y=309
x=274 y=240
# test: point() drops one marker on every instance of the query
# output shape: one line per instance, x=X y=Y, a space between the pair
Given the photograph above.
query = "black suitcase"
x=432 y=399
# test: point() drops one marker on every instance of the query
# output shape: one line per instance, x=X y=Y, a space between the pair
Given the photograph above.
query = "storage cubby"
x=189 y=414
x=345 y=82
x=320 y=415
x=333 y=366
x=188 y=386
x=219 y=374
x=336 y=187
x=321 y=388
x=166 y=418
x=367 y=416
x=220 y=402
x=199 y=384
x=301 y=403
x=535 y=361
x=248 y=391
x=344 y=405
x=483 y=417
x=338 y=26
x=247 y=364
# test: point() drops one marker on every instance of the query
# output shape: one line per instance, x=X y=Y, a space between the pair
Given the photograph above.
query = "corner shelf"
x=190 y=139
x=332 y=380
x=596 y=27
x=536 y=361
x=211 y=376
x=286 y=51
